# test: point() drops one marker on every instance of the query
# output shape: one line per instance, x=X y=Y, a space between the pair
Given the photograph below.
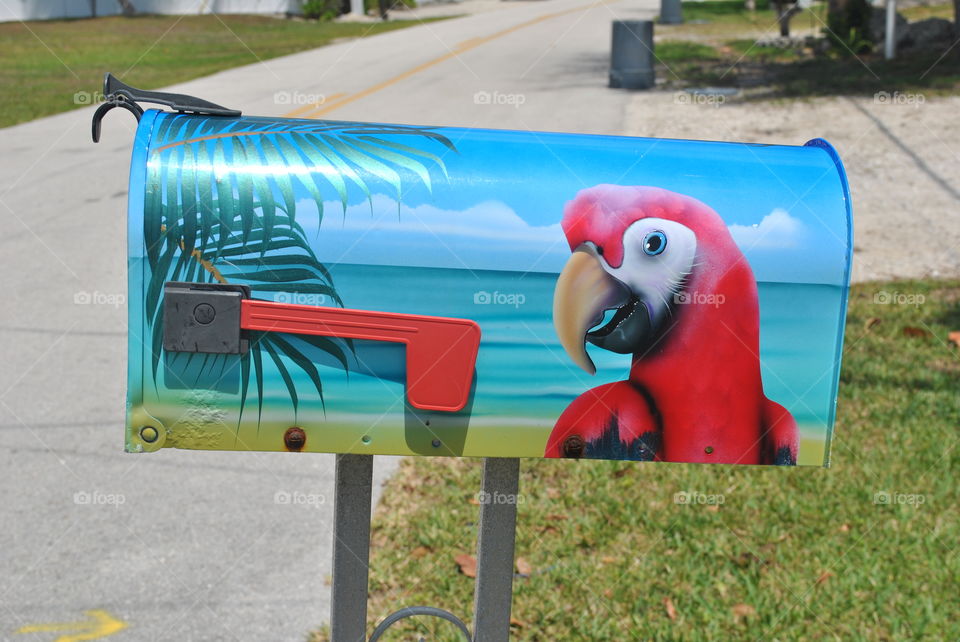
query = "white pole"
x=356 y=7
x=890 y=43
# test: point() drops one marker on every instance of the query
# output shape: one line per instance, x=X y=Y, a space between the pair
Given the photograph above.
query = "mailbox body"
x=476 y=227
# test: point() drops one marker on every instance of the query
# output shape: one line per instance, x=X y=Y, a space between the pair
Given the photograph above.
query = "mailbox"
x=349 y=287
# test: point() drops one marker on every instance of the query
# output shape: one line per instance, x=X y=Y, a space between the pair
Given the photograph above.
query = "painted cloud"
x=776 y=230
x=485 y=236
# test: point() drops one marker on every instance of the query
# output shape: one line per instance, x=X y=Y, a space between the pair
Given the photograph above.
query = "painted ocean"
x=363 y=408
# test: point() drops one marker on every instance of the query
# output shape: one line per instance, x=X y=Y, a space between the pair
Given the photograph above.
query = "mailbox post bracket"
x=496 y=540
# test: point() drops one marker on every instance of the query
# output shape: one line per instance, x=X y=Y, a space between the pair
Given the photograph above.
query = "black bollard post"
x=671 y=12
x=631 y=57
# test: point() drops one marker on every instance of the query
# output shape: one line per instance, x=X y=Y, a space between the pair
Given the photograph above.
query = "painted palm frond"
x=221 y=206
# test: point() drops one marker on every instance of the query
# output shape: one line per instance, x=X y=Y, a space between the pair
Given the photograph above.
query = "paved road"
x=198 y=549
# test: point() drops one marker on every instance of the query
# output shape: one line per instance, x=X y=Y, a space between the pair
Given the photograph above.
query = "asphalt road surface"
x=182 y=545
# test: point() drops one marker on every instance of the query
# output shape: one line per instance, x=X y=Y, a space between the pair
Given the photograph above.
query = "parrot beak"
x=584 y=292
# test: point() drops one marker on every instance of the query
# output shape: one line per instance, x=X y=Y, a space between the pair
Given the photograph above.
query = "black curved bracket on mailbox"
x=119 y=94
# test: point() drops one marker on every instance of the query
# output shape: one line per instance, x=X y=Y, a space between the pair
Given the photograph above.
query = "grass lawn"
x=44 y=64
x=729 y=18
x=921 y=12
x=865 y=550
x=716 y=47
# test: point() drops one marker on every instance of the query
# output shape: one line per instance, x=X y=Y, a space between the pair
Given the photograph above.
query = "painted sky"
x=501 y=205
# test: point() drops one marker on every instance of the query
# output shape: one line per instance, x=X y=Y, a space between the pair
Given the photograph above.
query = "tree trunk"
x=751 y=5
x=956 y=17
x=837 y=18
x=786 y=11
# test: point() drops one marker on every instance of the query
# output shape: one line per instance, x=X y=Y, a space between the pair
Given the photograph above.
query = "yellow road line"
x=100 y=625
x=463 y=47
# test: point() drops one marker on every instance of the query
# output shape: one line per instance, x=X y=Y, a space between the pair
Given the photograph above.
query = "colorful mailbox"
x=384 y=289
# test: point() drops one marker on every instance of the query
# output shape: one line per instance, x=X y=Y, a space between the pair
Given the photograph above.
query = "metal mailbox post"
x=365 y=289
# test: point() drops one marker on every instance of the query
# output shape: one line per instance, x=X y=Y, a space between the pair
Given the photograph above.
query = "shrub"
x=321 y=9
x=848 y=23
x=374 y=5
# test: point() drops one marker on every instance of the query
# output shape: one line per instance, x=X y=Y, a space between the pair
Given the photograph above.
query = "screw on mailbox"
x=573 y=447
x=294 y=439
x=204 y=313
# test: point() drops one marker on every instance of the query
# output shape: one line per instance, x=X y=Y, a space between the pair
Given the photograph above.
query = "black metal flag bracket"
x=351 y=555
x=119 y=94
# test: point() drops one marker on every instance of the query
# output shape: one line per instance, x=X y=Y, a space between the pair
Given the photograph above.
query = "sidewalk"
x=199 y=550
x=902 y=162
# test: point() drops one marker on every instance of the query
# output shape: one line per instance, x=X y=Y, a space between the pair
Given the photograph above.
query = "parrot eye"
x=654 y=243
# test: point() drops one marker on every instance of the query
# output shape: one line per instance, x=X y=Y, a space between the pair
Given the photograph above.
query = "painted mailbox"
x=383 y=289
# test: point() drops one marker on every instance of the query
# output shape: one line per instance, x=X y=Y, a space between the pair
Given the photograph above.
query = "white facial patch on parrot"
x=658 y=255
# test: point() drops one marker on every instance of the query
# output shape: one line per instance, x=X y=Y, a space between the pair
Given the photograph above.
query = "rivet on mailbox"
x=387 y=288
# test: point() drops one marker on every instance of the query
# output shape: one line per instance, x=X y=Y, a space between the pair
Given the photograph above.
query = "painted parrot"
x=657 y=275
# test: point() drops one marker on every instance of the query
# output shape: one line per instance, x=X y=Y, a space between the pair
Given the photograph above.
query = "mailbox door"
x=386 y=289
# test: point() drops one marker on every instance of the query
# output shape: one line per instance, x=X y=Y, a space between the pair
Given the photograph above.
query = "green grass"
x=791 y=554
x=680 y=51
x=747 y=49
x=922 y=12
x=729 y=18
x=44 y=64
x=685 y=63
x=716 y=46
x=723 y=11
x=929 y=73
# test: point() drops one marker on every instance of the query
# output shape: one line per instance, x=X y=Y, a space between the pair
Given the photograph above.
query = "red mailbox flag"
x=441 y=352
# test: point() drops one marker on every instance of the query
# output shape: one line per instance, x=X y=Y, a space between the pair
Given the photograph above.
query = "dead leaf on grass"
x=467 y=563
x=670 y=608
x=523 y=566
x=743 y=611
